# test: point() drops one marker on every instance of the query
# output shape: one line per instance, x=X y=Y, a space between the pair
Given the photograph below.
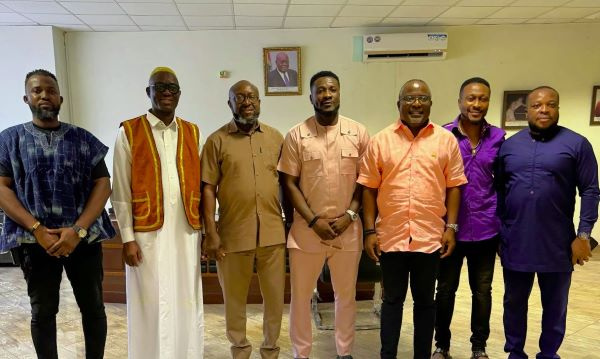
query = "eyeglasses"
x=239 y=98
x=162 y=87
x=413 y=99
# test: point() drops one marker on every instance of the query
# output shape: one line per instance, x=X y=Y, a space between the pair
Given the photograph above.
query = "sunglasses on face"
x=162 y=87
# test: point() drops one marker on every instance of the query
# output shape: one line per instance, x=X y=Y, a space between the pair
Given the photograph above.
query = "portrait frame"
x=274 y=81
x=595 y=112
x=514 y=109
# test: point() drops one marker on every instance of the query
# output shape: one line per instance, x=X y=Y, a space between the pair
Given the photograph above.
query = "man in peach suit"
x=319 y=162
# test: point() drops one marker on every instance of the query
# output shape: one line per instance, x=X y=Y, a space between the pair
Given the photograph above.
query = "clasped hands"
x=58 y=242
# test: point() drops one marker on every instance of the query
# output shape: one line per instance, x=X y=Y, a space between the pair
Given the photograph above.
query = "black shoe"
x=440 y=353
x=479 y=354
x=343 y=357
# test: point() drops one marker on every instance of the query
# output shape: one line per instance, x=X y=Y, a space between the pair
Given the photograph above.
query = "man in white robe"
x=164 y=287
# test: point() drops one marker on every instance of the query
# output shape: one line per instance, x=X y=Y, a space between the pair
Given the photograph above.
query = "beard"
x=246 y=121
x=45 y=115
x=327 y=113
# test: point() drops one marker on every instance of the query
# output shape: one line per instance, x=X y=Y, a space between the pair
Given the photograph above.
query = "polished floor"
x=581 y=342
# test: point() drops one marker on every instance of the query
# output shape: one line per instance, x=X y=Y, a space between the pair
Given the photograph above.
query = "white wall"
x=26 y=48
x=108 y=72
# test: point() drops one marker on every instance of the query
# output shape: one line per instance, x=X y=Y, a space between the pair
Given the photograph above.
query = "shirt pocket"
x=270 y=158
x=312 y=164
x=348 y=161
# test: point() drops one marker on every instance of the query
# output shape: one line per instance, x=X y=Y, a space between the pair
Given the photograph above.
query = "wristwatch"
x=352 y=214
x=81 y=232
x=583 y=235
x=34 y=227
x=454 y=226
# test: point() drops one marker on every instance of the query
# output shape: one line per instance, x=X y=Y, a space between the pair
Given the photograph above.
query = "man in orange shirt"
x=319 y=163
x=411 y=173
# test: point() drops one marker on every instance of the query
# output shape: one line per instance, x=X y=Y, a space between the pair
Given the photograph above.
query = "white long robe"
x=165 y=316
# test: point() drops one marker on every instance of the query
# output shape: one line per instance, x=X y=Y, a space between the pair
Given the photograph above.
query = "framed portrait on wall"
x=514 y=110
x=283 y=71
x=595 y=115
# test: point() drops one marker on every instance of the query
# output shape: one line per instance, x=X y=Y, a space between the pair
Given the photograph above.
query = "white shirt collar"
x=156 y=122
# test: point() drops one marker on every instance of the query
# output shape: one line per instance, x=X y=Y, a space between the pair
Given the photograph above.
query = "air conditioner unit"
x=405 y=47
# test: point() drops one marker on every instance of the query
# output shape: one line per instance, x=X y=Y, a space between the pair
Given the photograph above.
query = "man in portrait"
x=282 y=75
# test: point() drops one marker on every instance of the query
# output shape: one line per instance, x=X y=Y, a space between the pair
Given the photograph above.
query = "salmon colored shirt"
x=412 y=175
x=326 y=158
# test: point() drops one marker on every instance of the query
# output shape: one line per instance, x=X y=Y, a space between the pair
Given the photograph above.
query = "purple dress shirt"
x=477 y=219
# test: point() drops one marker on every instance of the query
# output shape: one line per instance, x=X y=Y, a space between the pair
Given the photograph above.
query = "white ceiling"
x=165 y=15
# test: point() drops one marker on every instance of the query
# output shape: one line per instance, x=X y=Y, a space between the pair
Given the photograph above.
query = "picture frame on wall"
x=514 y=109
x=595 y=113
x=283 y=71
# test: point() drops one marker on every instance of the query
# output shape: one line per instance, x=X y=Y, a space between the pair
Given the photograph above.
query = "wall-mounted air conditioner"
x=405 y=47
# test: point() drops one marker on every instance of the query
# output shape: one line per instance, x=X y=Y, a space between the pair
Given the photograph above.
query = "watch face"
x=353 y=216
x=81 y=232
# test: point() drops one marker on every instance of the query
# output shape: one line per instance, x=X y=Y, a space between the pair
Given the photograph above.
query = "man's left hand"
x=448 y=243
x=340 y=224
x=67 y=241
x=581 y=251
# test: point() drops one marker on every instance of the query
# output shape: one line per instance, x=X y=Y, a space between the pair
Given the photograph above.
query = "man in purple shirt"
x=539 y=169
x=477 y=237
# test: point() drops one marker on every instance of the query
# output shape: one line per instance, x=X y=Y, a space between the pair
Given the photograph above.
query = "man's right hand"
x=323 y=229
x=212 y=246
x=45 y=239
x=372 y=247
x=132 y=254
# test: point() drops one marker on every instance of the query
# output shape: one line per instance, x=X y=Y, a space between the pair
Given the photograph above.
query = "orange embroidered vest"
x=146 y=180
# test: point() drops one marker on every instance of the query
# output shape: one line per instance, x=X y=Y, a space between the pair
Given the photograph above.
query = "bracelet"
x=314 y=220
x=367 y=232
x=34 y=227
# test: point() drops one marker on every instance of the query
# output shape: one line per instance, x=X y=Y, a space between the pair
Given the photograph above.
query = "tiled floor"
x=582 y=340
